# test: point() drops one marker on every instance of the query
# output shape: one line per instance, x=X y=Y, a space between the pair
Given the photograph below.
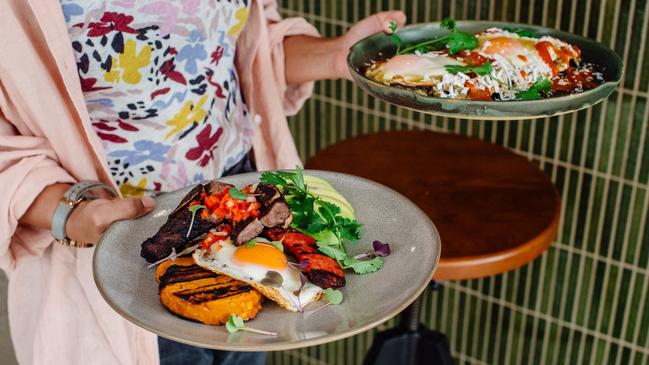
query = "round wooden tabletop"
x=494 y=210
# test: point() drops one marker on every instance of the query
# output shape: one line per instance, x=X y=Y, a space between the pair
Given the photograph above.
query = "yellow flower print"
x=127 y=189
x=130 y=62
x=188 y=114
x=242 y=16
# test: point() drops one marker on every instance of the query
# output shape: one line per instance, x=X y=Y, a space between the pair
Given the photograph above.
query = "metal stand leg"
x=410 y=343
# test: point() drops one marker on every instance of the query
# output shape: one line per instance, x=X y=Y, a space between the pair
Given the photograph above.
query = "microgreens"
x=482 y=70
x=541 y=87
x=251 y=243
x=173 y=255
x=235 y=193
x=522 y=32
x=313 y=215
x=380 y=249
x=332 y=296
x=236 y=324
x=193 y=209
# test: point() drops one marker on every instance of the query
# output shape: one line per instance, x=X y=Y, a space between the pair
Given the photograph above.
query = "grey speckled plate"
x=380 y=46
x=130 y=288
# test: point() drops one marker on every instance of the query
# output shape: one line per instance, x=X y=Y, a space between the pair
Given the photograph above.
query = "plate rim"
x=612 y=84
x=285 y=345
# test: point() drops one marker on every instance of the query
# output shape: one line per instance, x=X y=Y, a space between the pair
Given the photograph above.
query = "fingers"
x=119 y=209
x=384 y=18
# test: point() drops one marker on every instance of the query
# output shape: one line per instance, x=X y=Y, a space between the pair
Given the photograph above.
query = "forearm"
x=310 y=58
x=40 y=212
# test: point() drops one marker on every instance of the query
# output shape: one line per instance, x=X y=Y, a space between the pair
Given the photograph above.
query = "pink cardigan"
x=56 y=313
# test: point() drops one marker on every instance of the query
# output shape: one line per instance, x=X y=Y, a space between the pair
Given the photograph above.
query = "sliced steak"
x=173 y=234
x=266 y=193
x=193 y=194
x=214 y=187
x=276 y=214
x=245 y=230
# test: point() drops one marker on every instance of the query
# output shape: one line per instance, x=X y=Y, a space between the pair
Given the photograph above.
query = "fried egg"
x=414 y=69
x=252 y=264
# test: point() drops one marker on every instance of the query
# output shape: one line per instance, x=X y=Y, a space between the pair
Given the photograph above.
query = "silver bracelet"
x=75 y=195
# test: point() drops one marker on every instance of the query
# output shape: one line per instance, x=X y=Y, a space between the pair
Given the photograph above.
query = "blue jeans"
x=175 y=353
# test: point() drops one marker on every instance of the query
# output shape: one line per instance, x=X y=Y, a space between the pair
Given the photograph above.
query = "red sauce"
x=574 y=79
x=472 y=58
x=543 y=48
x=522 y=58
x=476 y=93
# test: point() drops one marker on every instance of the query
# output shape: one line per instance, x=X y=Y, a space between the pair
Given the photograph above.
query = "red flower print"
x=216 y=55
x=111 y=21
x=206 y=143
x=111 y=137
x=126 y=126
x=169 y=69
x=89 y=85
x=159 y=92
x=218 y=88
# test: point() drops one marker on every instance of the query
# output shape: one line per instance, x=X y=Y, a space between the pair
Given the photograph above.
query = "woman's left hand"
x=364 y=28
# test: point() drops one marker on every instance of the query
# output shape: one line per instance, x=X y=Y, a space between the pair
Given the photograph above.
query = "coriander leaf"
x=363 y=266
x=235 y=193
x=540 y=88
x=482 y=70
x=349 y=229
x=330 y=208
x=298 y=178
x=326 y=237
x=394 y=36
x=273 y=178
x=234 y=324
x=332 y=251
x=251 y=243
x=333 y=296
x=522 y=32
x=448 y=23
x=316 y=224
x=461 y=41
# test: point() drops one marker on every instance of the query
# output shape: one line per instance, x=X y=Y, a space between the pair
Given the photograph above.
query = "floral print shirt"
x=161 y=88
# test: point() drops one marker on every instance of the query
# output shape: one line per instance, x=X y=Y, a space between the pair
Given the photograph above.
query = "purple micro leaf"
x=381 y=249
x=304 y=264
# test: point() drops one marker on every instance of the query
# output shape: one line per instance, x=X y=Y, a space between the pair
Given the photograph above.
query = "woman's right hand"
x=91 y=218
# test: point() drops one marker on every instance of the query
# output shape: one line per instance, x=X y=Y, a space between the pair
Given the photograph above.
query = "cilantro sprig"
x=236 y=324
x=456 y=41
x=484 y=69
x=541 y=87
x=522 y=32
x=320 y=219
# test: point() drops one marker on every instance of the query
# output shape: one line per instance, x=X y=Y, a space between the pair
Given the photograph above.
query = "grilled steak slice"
x=321 y=270
x=193 y=194
x=173 y=234
x=245 y=230
x=214 y=187
x=277 y=214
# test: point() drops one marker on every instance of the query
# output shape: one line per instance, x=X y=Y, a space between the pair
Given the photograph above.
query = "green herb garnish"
x=455 y=42
x=251 y=243
x=363 y=266
x=315 y=216
x=235 y=193
x=236 y=324
x=482 y=70
x=278 y=245
x=333 y=296
x=193 y=209
x=540 y=88
x=395 y=37
x=522 y=32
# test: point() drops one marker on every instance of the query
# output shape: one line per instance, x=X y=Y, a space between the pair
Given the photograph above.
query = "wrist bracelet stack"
x=75 y=195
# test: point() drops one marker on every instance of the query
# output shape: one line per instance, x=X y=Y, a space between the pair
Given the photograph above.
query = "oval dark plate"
x=380 y=46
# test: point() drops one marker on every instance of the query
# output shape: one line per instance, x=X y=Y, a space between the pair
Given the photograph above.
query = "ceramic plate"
x=130 y=288
x=380 y=46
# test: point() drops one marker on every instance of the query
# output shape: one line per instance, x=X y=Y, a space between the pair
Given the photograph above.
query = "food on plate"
x=495 y=64
x=283 y=237
x=194 y=293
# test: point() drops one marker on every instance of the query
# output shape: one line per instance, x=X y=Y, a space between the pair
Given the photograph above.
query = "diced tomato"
x=475 y=93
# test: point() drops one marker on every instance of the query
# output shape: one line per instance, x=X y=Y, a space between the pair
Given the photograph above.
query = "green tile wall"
x=586 y=300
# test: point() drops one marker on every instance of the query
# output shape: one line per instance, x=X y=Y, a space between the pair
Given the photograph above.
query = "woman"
x=141 y=97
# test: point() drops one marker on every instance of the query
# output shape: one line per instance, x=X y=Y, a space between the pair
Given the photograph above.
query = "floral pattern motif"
x=161 y=88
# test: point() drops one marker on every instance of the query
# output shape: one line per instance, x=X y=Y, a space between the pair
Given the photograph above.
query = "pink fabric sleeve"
x=27 y=166
x=294 y=95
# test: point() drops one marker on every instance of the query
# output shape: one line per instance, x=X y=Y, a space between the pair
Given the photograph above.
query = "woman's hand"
x=90 y=219
x=310 y=58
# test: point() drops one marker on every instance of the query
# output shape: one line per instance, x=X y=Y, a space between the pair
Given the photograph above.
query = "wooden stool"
x=495 y=211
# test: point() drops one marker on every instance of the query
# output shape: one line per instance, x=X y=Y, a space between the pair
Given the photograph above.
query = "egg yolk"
x=502 y=45
x=262 y=255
